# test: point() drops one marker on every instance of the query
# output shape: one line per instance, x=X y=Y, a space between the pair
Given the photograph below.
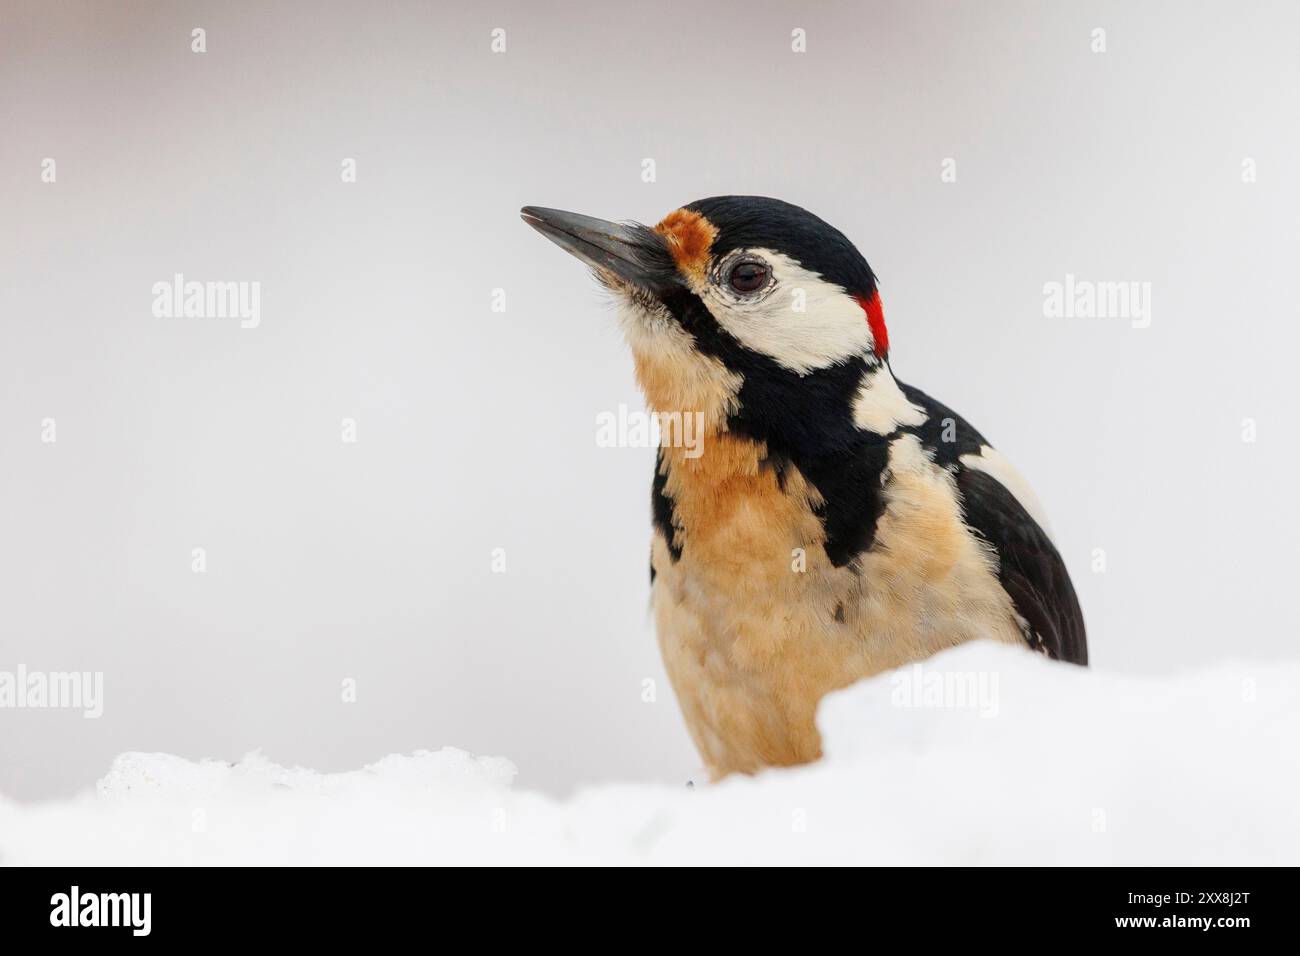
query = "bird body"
x=832 y=523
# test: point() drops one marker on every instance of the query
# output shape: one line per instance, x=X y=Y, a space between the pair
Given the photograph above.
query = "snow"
x=985 y=755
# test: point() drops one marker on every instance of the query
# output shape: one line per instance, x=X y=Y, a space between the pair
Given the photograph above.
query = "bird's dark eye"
x=748 y=275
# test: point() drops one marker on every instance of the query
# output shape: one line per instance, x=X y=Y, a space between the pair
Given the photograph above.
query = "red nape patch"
x=876 y=322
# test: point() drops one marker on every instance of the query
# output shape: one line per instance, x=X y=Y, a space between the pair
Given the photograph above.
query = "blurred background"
x=1161 y=159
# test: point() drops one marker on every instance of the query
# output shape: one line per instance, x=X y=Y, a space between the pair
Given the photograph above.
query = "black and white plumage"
x=1030 y=568
x=837 y=523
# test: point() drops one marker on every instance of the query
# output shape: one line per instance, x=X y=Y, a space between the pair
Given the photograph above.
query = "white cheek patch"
x=880 y=405
x=803 y=321
x=997 y=466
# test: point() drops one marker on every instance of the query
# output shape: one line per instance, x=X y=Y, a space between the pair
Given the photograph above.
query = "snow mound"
x=984 y=755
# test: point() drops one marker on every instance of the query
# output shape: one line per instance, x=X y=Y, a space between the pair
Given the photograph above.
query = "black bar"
x=333 y=906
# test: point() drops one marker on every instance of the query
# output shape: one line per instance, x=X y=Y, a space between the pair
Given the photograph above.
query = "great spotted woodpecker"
x=834 y=523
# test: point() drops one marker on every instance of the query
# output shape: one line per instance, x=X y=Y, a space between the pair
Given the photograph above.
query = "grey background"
x=476 y=429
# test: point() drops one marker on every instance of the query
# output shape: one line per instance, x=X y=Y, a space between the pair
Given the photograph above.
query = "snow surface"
x=1051 y=764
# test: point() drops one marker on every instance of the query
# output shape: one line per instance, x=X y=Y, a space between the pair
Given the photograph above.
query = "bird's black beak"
x=631 y=253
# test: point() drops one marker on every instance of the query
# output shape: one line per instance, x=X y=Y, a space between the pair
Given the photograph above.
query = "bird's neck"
x=707 y=411
x=816 y=448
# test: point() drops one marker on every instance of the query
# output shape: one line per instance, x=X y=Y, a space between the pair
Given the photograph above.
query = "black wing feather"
x=1029 y=566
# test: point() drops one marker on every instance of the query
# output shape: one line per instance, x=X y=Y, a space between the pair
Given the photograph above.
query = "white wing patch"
x=993 y=463
x=881 y=406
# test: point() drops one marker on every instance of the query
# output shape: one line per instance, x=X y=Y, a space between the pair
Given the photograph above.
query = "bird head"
x=750 y=310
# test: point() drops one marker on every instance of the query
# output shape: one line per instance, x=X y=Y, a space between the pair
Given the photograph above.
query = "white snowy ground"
x=1039 y=763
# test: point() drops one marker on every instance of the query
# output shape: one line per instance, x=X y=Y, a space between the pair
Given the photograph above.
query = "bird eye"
x=748 y=275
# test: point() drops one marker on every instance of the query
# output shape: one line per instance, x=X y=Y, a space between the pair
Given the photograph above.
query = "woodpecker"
x=833 y=523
